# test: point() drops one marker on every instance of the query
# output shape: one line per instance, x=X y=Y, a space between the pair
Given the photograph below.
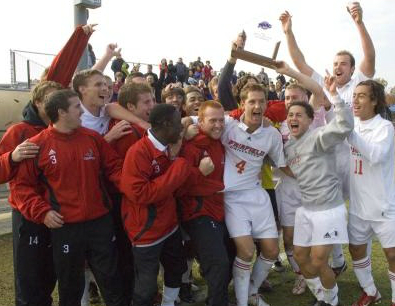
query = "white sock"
x=241 y=280
x=86 y=296
x=169 y=296
x=292 y=261
x=392 y=279
x=363 y=272
x=337 y=256
x=260 y=271
x=187 y=274
x=330 y=295
x=315 y=287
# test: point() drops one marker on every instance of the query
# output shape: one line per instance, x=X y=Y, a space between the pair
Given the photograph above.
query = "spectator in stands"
x=119 y=65
x=172 y=72
x=117 y=85
x=198 y=63
x=207 y=70
x=182 y=71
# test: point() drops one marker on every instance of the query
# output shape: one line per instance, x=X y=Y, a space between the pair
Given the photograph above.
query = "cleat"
x=256 y=300
x=266 y=286
x=278 y=266
x=186 y=293
x=365 y=300
x=339 y=270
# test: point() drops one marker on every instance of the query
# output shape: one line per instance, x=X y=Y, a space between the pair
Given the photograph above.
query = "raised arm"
x=64 y=64
x=317 y=97
x=293 y=48
x=367 y=65
x=111 y=51
x=337 y=130
x=225 y=94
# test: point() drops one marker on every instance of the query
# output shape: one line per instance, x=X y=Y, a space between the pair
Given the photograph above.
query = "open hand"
x=286 y=21
x=24 y=150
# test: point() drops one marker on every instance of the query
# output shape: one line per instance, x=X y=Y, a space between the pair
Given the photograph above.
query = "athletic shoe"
x=94 y=293
x=300 y=285
x=315 y=302
x=365 y=300
x=266 y=286
x=322 y=303
x=186 y=293
x=340 y=270
x=278 y=266
x=256 y=300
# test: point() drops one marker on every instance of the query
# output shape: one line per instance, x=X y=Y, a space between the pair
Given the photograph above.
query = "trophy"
x=269 y=62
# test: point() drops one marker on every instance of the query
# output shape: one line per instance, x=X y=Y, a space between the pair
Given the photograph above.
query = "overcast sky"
x=150 y=30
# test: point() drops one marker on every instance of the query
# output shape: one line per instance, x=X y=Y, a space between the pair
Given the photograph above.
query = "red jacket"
x=64 y=64
x=70 y=168
x=149 y=179
x=213 y=203
x=123 y=144
x=17 y=134
x=6 y=170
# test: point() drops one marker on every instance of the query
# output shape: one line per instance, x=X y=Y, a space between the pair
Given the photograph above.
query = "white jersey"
x=372 y=166
x=244 y=153
x=345 y=92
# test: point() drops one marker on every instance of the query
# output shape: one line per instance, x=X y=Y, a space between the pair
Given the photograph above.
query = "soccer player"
x=203 y=216
x=248 y=211
x=33 y=265
x=321 y=221
x=138 y=99
x=347 y=76
x=372 y=212
x=151 y=173
x=73 y=203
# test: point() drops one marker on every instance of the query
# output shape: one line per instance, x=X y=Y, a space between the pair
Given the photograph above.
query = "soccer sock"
x=330 y=295
x=169 y=296
x=315 y=287
x=260 y=271
x=241 y=280
x=186 y=276
x=392 y=279
x=337 y=256
x=86 y=296
x=292 y=262
x=363 y=271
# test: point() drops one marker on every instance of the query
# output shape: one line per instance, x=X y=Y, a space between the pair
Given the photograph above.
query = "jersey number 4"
x=240 y=166
x=358 y=167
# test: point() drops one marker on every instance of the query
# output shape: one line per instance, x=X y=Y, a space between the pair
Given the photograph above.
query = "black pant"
x=33 y=265
x=125 y=255
x=146 y=267
x=93 y=241
x=210 y=240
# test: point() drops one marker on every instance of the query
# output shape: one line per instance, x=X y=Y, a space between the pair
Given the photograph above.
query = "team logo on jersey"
x=355 y=152
x=294 y=161
x=245 y=149
x=52 y=156
x=89 y=155
x=155 y=165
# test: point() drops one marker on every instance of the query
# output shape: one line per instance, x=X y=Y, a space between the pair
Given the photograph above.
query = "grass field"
x=281 y=296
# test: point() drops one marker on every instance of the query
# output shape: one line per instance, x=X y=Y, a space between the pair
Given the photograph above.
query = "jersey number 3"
x=240 y=166
x=358 y=167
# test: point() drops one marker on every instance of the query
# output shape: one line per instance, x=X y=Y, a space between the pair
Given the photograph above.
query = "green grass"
x=281 y=296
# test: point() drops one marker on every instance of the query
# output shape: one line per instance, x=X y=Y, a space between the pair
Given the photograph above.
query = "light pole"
x=81 y=15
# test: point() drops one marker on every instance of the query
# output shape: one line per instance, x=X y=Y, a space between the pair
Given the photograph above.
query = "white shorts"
x=289 y=199
x=250 y=213
x=320 y=227
x=361 y=231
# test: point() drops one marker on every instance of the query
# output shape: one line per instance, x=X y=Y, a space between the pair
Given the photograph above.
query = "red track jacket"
x=15 y=135
x=123 y=144
x=6 y=170
x=70 y=168
x=149 y=179
x=212 y=204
